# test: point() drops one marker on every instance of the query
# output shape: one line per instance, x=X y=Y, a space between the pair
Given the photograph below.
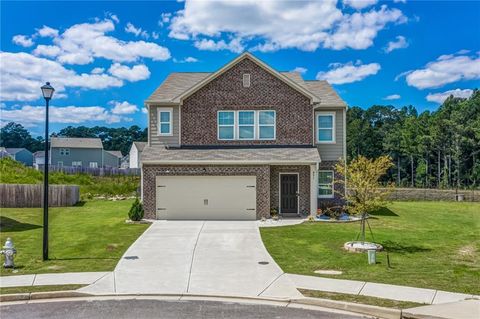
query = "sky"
x=105 y=58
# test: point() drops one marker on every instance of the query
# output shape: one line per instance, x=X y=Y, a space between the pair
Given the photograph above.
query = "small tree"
x=365 y=193
x=136 y=211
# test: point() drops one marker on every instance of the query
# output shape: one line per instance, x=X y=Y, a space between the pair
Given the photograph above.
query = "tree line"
x=114 y=139
x=431 y=149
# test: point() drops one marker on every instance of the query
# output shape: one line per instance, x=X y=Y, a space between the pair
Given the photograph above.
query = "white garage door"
x=206 y=197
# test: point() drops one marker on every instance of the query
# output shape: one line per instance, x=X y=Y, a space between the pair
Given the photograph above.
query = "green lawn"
x=88 y=237
x=29 y=289
x=430 y=244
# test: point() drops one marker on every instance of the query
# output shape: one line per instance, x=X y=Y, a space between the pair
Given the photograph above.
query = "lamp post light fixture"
x=47 y=91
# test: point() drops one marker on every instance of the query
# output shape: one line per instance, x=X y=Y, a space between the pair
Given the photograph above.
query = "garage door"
x=206 y=197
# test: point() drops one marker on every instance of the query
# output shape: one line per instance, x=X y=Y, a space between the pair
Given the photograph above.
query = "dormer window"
x=246 y=80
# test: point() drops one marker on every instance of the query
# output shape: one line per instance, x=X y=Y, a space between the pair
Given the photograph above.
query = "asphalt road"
x=146 y=309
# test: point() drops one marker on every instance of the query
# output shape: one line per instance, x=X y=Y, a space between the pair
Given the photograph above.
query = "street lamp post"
x=47 y=91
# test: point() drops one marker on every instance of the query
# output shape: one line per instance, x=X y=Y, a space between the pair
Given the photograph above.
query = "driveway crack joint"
x=193 y=256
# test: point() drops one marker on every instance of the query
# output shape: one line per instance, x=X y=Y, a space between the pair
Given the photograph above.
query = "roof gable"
x=246 y=55
x=76 y=142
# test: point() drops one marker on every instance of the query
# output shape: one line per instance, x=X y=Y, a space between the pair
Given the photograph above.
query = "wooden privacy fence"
x=31 y=195
x=469 y=195
x=99 y=171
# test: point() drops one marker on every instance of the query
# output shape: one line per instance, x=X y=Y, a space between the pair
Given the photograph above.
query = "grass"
x=29 y=289
x=12 y=172
x=380 y=302
x=430 y=245
x=88 y=237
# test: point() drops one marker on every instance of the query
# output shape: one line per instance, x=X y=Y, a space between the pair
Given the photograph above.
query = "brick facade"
x=338 y=187
x=294 y=114
x=303 y=185
x=262 y=172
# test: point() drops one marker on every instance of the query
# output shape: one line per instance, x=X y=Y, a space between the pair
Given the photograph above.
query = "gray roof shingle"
x=140 y=145
x=116 y=153
x=76 y=142
x=178 y=82
x=159 y=154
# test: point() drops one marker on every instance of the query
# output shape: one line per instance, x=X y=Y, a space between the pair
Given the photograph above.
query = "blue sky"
x=105 y=58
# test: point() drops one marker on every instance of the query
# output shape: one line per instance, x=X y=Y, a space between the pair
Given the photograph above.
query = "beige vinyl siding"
x=155 y=139
x=334 y=151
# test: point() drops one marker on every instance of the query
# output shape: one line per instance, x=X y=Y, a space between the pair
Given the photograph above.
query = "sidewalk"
x=70 y=278
x=393 y=292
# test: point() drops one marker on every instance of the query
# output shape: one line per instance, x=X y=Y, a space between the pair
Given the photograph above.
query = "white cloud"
x=46 y=31
x=446 y=69
x=399 y=1
x=47 y=50
x=348 y=72
x=97 y=70
x=392 y=97
x=114 y=17
x=30 y=116
x=133 y=74
x=164 y=18
x=124 y=107
x=399 y=43
x=359 y=4
x=274 y=25
x=300 y=70
x=189 y=59
x=22 y=74
x=234 y=45
x=144 y=110
x=22 y=40
x=82 y=43
x=441 y=97
x=130 y=28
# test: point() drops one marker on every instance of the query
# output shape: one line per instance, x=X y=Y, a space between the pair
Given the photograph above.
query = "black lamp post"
x=47 y=91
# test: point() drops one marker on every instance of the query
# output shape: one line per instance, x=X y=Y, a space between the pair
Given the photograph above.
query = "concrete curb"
x=381 y=312
x=378 y=312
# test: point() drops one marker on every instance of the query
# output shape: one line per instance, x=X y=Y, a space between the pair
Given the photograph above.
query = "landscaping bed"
x=91 y=236
x=430 y=244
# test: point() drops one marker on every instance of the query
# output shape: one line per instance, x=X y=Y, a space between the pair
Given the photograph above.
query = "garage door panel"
x=206 y=197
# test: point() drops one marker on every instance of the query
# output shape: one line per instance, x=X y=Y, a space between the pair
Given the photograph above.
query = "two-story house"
x=235 y=143
x=82 y=152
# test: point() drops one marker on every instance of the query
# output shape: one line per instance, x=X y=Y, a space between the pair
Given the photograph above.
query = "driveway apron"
x=198 y=257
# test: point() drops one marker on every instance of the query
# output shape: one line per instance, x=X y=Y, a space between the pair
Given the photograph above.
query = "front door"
x=288 y=193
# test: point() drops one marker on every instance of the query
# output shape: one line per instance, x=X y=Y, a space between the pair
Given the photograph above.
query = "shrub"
x=136 y=211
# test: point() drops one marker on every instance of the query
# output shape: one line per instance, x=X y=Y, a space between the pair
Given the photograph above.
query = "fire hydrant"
x=9 y=252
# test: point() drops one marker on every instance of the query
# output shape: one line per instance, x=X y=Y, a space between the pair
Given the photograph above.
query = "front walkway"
x=198 y=257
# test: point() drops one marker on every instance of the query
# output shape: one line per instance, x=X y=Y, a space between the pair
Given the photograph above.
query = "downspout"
x=148 y=124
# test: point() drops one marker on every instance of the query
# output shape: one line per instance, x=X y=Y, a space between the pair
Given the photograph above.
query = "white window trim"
x=60 y=163
x=227 y=125
x=64 y=151
x=238 y=125
x=332 y=184
x=317 y=115
x=274 y=125
x=246 y=80
x=90 y=164
x=77 y=162
x=256 y=126
x=170 y=111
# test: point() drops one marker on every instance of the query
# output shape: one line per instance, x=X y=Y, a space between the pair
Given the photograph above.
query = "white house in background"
x=38 y=158
x=135 y=153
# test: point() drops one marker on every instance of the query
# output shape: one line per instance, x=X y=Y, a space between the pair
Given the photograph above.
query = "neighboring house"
x=81 y=152
x=135 y=153
x=241 y=141
x=112 y=158
x=38 y=158
x=21 y=155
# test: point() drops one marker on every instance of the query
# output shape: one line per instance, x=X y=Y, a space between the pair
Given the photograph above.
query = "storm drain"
x=263 y=262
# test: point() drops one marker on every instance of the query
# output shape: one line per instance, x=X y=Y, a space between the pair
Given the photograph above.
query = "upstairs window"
x=77 y=163
x=226 y=125
x=325 y=184
x=246 y=125
x=266 y=125
x=246 y=80
x=326 y=127
x=64 y=151
x=164 y=121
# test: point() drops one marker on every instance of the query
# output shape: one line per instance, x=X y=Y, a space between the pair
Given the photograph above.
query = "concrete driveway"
x=198 y=257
